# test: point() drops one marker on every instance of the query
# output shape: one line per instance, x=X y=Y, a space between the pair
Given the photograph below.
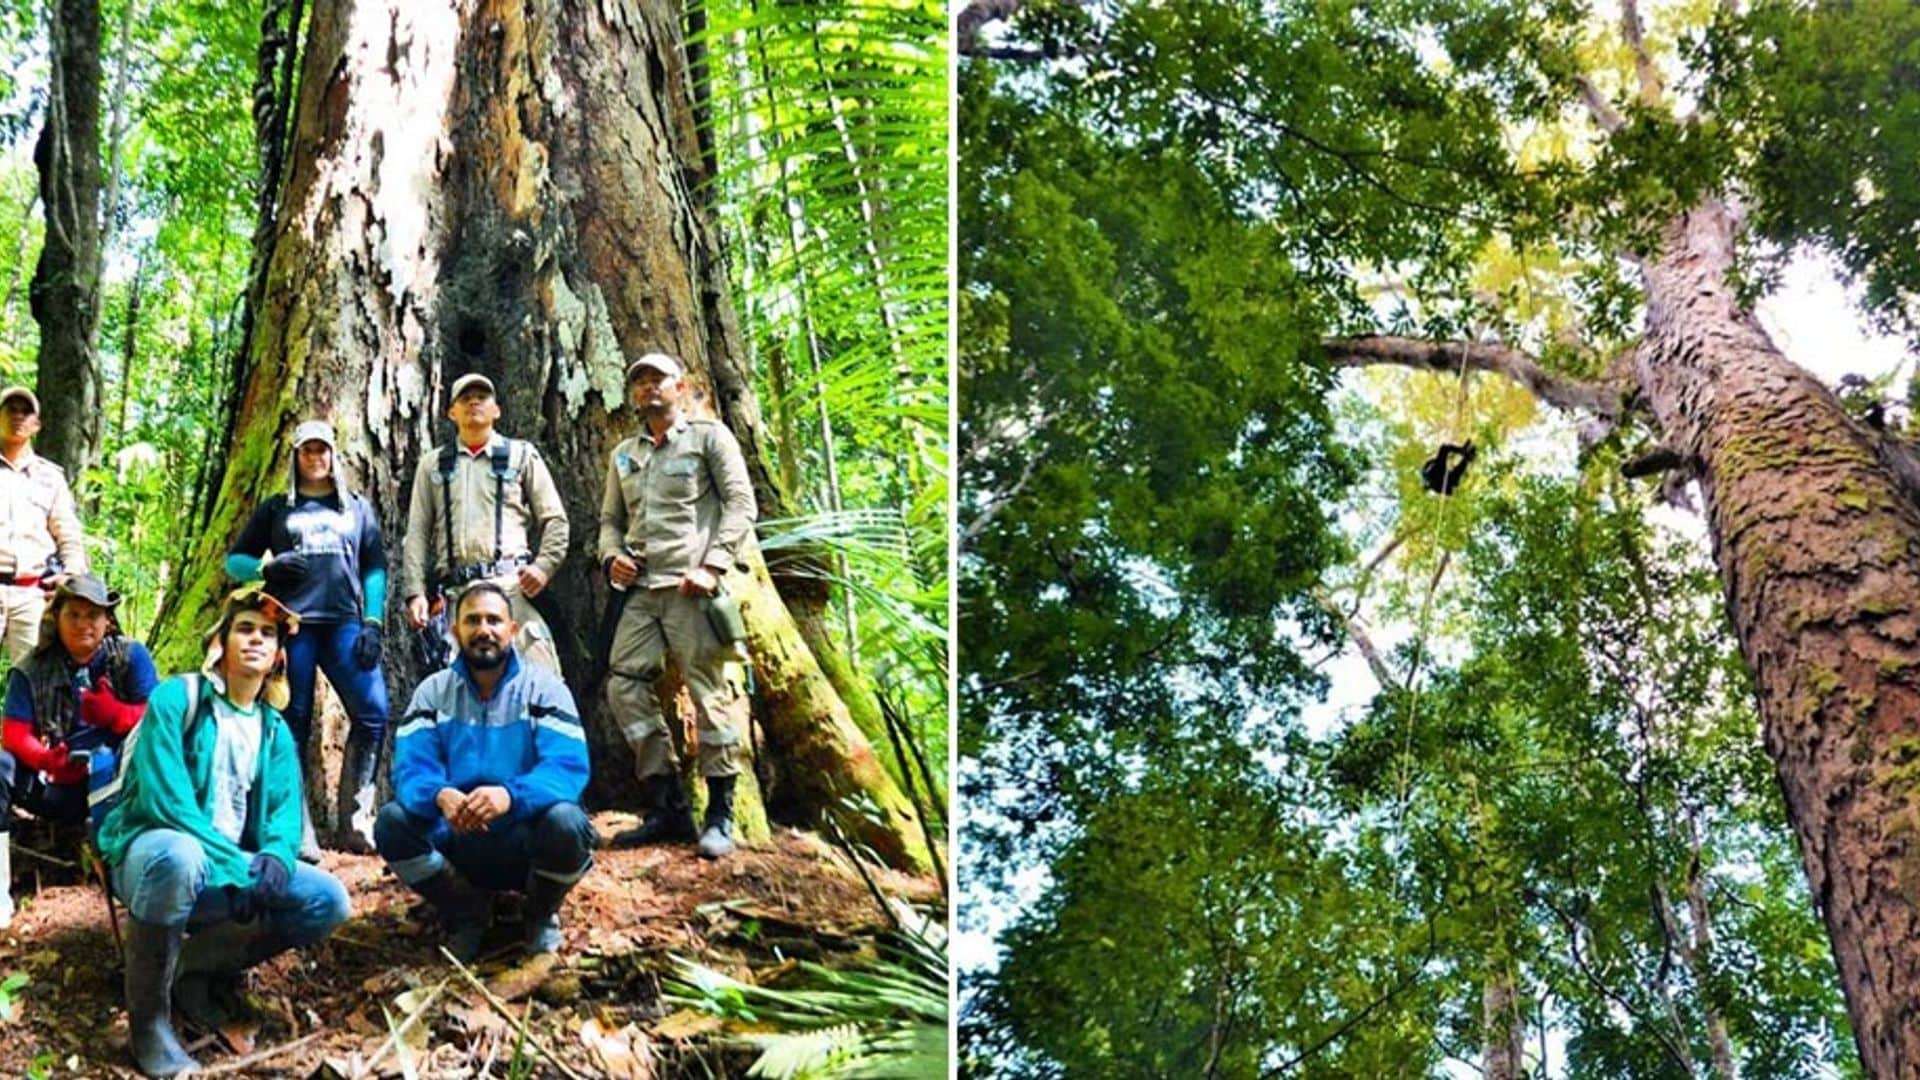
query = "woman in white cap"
x=318 y=548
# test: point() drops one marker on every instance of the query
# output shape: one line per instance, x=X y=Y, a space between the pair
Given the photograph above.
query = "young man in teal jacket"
x=488 y=766
x=204 y=835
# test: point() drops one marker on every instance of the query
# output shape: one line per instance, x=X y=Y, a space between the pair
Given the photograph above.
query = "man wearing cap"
x=39 y=530
x=676 y=507
x=204 y=833
x=69 y=705
x=488 y=768
x=475 y=506
x=319 y=550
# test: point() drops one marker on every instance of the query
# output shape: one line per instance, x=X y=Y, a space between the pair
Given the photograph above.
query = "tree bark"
x=1505 y=1026
x=1816 y=540
x=510 y=188
x=65 y=292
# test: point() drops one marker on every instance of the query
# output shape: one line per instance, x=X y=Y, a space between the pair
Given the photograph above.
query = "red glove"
x=99 y=708
x=21 y=741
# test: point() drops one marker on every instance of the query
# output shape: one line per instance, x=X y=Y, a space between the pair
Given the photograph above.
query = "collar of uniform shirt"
x=480 y=451
x=679 y=425
x=27 y=458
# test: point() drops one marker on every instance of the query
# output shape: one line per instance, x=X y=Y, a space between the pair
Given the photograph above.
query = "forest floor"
x=596 y=1008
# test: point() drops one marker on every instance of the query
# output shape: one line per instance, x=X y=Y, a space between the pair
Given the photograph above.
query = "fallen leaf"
x=524 y=978
x=239 y=1036
x=688 y=1024
x=625 y=1054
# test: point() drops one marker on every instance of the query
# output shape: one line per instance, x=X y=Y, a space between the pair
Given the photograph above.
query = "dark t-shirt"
x=341 y=542
x=140 y=679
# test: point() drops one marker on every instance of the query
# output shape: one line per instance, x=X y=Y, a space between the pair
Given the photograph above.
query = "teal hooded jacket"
x=167 y=783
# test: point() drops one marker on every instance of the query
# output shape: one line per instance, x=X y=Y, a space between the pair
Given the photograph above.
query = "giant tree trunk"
x=65 y=294
x=1816 y=540
x=476 y=185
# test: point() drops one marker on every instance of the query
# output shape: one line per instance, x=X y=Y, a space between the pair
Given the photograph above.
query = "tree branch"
x=974 y=18
x=1602 y=398
x=1360 y=638
x=1604 y=113
x=1635 y=33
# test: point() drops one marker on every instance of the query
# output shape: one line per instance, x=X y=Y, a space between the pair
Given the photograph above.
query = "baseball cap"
x=12 y=392
x=658 y=361
x=313 y=431
x=471 y=378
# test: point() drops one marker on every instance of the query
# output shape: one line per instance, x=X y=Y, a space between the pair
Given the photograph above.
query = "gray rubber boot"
x=542 y=912
x=309 y=844
x=354 y=809
x=464 y=911
x=669 y=816
x=211 y=992
x=153 y=954
x=716 y=839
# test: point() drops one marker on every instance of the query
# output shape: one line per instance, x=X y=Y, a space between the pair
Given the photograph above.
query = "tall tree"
x=65 y=294
x=513 y=189
x=1395 y=152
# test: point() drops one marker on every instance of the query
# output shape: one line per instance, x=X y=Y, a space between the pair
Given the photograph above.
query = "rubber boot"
x=464 y=911
x=354 y=809
x=542 y=912
x=669 y=817
x=210 y=992
x=6 y=880
x=716 y=839
x=309 y=844
x=153 y=953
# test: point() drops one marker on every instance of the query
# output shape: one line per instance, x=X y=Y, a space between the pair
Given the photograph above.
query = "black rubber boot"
x=669 y=817
x=716 y=839
x=355 y=800
x=542 y=912
x=464 y=910
x=153 y=954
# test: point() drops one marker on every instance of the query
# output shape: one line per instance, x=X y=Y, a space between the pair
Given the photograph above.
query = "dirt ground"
x=595 y=1010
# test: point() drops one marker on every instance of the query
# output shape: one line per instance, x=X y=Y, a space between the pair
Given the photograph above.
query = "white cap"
x=12 y=392
x=658 y=361
x=313 y=431
x=471 y=378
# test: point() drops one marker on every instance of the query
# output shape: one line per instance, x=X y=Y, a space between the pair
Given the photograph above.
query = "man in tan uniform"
x=37 y=524
x=676 y=507
x=482 y=498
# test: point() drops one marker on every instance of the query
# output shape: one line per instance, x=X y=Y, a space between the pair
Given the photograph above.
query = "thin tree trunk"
x=507 y=187
x=116 y=135
x=130 y=349
x=66 y=282
x=1504 y=1024
x=1700 y=960
x=18 y=283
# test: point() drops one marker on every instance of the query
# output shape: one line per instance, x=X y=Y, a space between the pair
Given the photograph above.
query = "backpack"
x=107 y=768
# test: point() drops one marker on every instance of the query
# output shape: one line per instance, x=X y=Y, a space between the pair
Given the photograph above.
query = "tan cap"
x=658 y=361
x=12 y=392
x=471 y=378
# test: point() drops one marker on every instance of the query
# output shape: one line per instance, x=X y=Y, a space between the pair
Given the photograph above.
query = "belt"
x=19 y=582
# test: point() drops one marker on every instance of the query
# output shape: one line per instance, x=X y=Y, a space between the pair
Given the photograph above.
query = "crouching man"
x=488 y=766
x=204 y=834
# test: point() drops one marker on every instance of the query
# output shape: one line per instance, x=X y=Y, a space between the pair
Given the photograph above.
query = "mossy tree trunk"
x=514 y=189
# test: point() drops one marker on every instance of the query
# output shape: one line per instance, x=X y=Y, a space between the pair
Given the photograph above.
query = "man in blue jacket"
x=488 y=766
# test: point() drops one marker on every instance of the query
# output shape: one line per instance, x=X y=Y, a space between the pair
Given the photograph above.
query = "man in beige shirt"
x=676 y=507
x=37 y=524
x=476 y=506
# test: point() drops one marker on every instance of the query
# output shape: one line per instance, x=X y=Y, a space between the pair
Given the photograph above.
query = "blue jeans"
x=556 y=843
x=328 y=647
x=163 y=882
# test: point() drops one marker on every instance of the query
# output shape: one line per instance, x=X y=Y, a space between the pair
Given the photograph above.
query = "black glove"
x=270 y=879
x=285 y=571
x=368 y=646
